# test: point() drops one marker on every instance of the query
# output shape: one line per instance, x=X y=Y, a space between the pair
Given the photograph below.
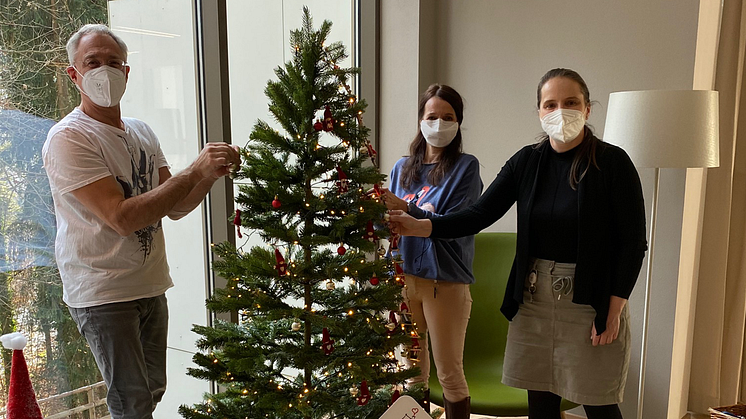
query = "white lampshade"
x=665 y=128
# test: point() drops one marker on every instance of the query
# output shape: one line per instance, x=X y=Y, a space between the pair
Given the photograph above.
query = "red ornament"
x=374 y=280
x=276 y=203
x=342 y=184
x=391 y=325
x=318 y=126
x=282 y=267
x=370 y=233
x=403 y=308
x=327 y=343
x=377 y=189
x=364 y=397
x=371 y=152
x=237 y=222
x=413 y=351
x=328 y=120
x=341 y=250
x=398 y=274
x=394 y=243
x=395 y=397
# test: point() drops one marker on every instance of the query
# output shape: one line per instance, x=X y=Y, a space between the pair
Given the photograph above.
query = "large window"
x=258 y=43
x=163 y=90
x=33 y=96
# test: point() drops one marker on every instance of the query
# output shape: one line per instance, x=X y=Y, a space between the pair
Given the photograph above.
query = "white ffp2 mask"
x=563 y=125
x=437 y=132
x=103 y=85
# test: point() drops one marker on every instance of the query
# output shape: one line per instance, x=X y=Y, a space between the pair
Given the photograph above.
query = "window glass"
x=34 y=94
x=258 y=42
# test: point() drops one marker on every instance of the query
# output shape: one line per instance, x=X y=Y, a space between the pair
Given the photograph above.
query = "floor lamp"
x=662 y=129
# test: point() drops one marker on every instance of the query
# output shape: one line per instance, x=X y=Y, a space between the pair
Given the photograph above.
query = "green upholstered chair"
x=487 y=333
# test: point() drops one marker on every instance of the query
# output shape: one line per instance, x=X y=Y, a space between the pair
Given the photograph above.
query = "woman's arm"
x=628 y=217
x=462 y=189
x=493 y=204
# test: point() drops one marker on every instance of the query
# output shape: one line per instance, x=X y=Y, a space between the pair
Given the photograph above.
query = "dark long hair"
x=418 y=146
x=586 y=153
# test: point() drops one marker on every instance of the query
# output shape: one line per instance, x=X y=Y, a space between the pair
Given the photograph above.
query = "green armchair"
x=487 y=333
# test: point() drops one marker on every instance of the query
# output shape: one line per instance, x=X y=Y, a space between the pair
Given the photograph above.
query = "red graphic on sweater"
x=418 y=197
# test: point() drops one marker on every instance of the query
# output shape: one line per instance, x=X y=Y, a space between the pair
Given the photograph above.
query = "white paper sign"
x=405 y=407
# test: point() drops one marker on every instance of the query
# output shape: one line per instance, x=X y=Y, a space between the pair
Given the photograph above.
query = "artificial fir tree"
x=319 y=313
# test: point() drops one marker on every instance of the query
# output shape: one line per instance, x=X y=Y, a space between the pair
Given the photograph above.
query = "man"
x=111 y=187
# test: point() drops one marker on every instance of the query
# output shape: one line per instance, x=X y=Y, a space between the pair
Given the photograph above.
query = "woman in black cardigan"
x=581 y=242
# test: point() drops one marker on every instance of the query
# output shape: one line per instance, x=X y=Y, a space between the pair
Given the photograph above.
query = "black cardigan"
x=611 y=225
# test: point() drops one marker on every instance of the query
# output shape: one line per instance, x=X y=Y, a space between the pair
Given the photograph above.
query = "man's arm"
x=105 y=199
x=191 y=201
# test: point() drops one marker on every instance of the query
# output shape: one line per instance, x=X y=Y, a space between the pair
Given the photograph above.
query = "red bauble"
x=237 y=223
x=374 y=280
x=341 y=250
x=276 y=203
x=318 y=126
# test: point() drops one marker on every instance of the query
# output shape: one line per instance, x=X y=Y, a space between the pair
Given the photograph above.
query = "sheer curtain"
x=718 y=363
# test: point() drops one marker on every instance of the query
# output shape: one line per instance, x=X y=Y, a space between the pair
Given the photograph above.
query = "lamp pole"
x=648 y=283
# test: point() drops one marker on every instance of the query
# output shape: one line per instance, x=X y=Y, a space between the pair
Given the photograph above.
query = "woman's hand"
x=616 y=304
x=392 y=201
x=405 y=225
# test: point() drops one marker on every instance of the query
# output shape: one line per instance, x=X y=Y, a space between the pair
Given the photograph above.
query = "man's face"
x=95 y=50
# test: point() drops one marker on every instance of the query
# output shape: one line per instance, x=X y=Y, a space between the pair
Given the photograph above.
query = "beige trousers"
x=441 y=311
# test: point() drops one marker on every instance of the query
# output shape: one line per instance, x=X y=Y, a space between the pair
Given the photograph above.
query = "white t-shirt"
x=97 y=265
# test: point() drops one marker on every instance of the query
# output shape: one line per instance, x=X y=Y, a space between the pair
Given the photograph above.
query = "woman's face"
x=436 y=108
x=562 y=93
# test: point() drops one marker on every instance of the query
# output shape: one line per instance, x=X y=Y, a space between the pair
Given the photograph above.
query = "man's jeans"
x=128 y=341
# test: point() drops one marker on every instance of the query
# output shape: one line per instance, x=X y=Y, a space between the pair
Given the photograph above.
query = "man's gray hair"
x=72 y=44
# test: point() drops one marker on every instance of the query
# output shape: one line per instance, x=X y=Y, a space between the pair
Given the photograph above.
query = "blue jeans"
x=128 y=341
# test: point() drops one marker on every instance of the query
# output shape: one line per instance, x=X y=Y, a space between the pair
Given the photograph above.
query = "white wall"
x=495 y=52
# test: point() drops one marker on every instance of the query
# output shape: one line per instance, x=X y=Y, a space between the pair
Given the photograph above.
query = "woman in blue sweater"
x=581 y=242
x=437 y=179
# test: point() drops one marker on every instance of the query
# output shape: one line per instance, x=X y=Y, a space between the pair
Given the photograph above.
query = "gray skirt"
x=549 y=345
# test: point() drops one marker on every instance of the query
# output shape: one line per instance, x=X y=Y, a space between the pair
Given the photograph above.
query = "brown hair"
x=586 y=153
x=418 y=146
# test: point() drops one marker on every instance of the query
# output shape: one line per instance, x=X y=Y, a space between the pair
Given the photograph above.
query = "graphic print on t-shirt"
x=418 y=197
x=142 y=177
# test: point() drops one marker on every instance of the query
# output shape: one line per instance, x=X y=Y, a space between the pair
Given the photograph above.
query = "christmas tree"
x=320 y=311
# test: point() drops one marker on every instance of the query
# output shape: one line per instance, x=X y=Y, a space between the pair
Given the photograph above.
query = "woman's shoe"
x=457 y=410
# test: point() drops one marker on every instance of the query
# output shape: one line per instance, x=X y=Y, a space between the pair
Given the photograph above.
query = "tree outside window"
x=34 y=94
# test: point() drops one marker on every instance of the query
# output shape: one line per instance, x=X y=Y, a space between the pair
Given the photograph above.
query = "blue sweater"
x=440 y=259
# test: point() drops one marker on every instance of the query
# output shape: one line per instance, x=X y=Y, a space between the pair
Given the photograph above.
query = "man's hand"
x=216 y=160
x=405 y=225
